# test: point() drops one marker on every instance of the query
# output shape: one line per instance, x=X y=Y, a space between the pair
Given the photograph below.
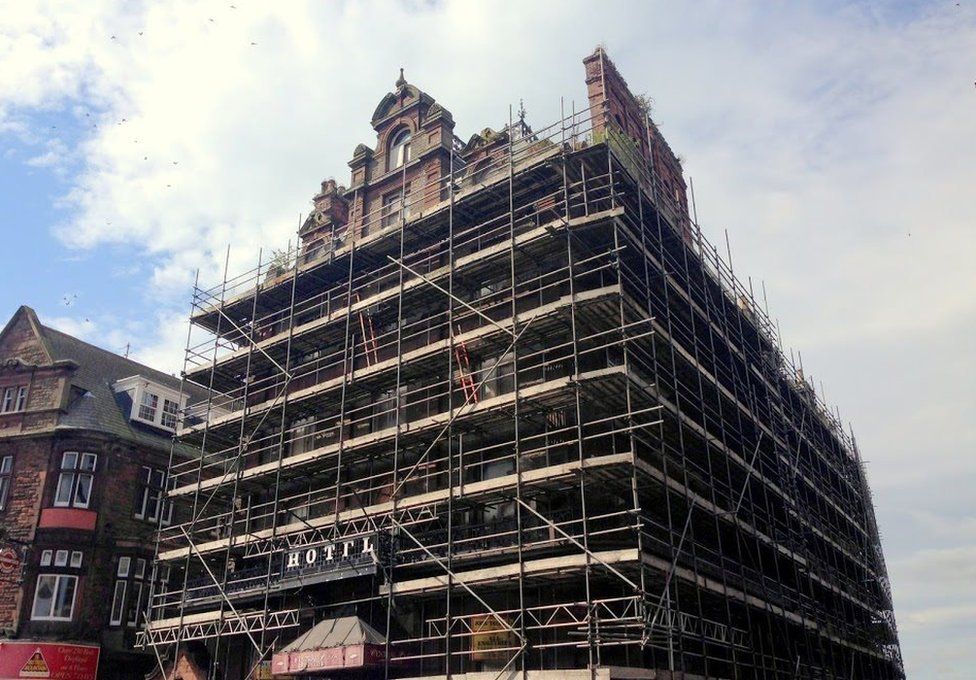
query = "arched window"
x=481 y=171
x=399 y=149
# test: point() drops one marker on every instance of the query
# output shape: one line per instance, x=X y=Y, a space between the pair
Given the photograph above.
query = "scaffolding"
x=545 y=425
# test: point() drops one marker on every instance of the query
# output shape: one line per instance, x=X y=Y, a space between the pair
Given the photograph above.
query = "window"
x=170 y=413
x=302 y=435
x=395 y=209
x=135 y=607
x=6 y=474
x=147 y=407
x=129 y=580
x=480 y=173
x=151 y=504
x=151 y=402
x=118 y=603
x=502 y=379
x=162 y=576
x=391 y=209
x=14 y=399
x=399 y=149
x=54 y=597
x=75 y=482
x=384 y=410
x=60 y=558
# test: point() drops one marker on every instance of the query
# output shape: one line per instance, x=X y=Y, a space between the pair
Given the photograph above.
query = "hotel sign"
x=331 y=561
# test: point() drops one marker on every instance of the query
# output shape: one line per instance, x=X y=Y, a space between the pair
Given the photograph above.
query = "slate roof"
x=340 y=632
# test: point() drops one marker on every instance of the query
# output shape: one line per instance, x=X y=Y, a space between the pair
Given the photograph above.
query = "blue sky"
x=835 y=141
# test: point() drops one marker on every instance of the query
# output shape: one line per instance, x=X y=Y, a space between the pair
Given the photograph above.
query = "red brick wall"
x=612 y=102
x=20 y=514
x=115 y=492
x=432 y=135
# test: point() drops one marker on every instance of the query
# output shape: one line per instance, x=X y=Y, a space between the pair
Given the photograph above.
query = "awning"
x=332 y=644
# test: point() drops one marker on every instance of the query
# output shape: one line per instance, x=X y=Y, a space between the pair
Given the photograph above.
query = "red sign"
x=9 y=561
x=328 y=659
x=22 y=660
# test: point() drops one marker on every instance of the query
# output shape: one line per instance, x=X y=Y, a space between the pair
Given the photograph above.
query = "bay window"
x=75 y=480
x=54 y=597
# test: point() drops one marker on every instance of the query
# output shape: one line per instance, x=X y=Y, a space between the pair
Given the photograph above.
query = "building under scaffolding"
x=505 y=413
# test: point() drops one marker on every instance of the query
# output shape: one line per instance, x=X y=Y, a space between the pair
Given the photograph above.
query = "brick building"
x=85 y=439
x=507 y=414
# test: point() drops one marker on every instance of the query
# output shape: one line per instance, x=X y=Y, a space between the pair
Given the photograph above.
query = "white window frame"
x=150 y=402
x=74 y=476
x=149 y=489
x=59 y=579
x=14 y=399
x=130 y=580
x=77 y=557
x=61 y=558
x=47 y=557
x=6 y=479
x=391 y=210
x=139 y=389
x=169 y=414
x=118 y=601
x=401 y=149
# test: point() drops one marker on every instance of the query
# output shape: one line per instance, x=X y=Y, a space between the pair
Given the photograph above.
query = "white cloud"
x=84 y=329
x=56 y=156
x=821 y=135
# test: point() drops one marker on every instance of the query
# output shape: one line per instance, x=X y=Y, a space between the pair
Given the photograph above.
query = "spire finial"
x=401 y=81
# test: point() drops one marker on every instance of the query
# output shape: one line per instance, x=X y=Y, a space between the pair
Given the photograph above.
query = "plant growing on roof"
x=278 y=264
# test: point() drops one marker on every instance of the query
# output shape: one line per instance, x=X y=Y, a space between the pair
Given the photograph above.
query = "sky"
x=834 y=142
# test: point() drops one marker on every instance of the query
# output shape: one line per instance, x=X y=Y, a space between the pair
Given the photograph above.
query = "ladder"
x=370 y=346
x=464 y=370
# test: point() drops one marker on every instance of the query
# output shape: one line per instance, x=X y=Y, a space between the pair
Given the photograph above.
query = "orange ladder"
x=370 y=345
x=464 y=371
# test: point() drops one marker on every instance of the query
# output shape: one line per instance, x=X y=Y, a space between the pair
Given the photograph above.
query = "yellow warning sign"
x=36 y=666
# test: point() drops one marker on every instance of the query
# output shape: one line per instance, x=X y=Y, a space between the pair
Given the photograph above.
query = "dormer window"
x=399 y=149
x=148 y=406
x=152 y=403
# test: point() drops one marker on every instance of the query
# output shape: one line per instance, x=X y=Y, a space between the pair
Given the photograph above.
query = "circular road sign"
x=9 y=561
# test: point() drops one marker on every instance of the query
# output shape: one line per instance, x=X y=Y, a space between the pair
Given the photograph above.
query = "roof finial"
x=401 y=81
